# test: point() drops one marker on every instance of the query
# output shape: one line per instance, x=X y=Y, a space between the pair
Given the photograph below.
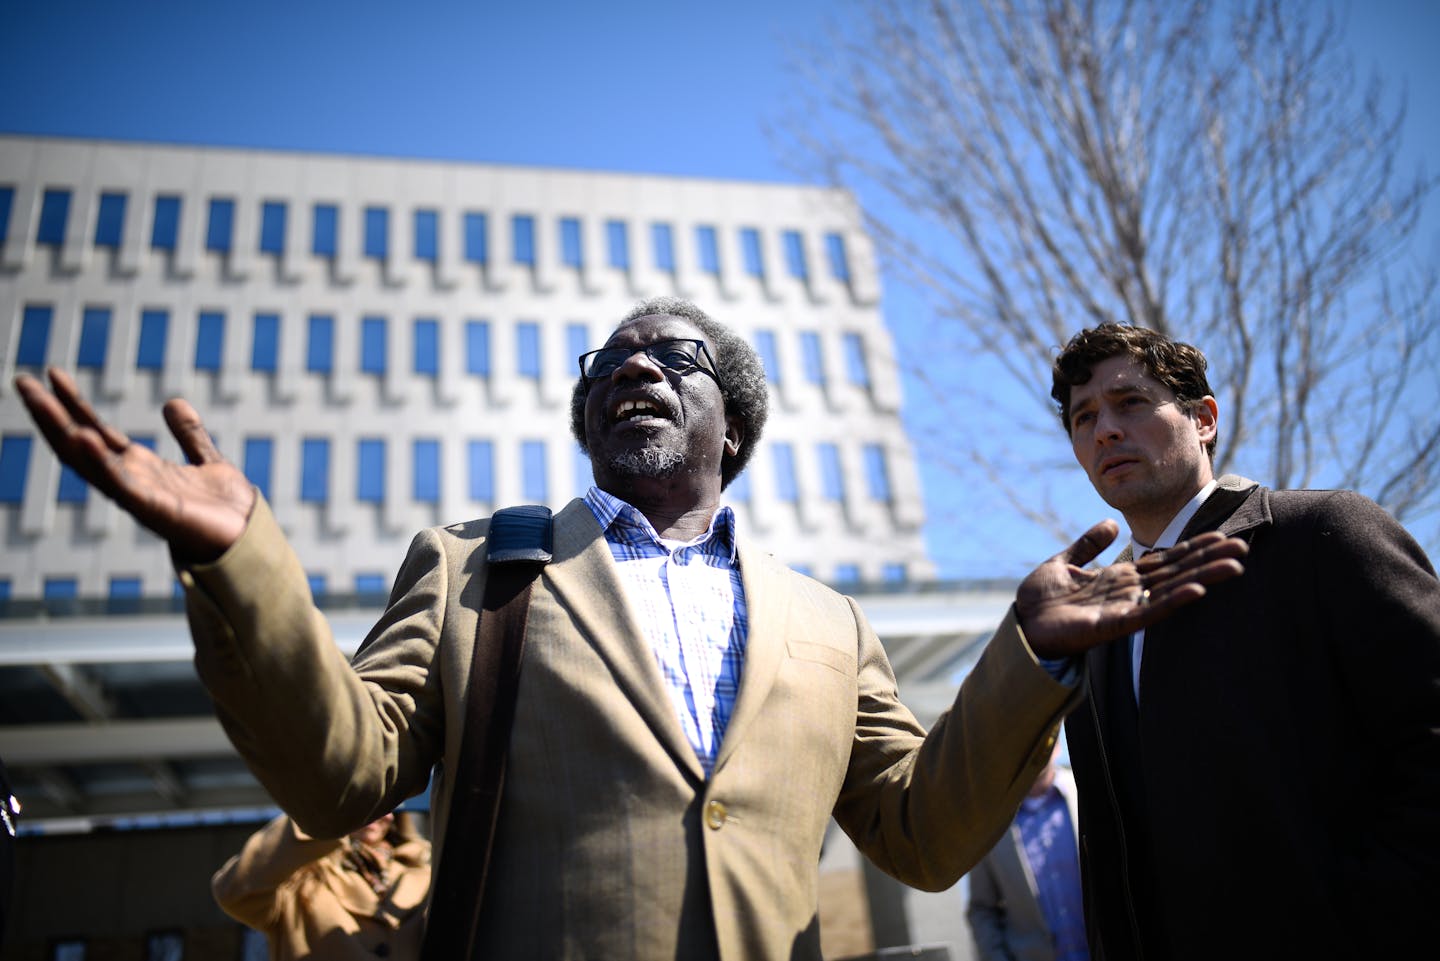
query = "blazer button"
x=715 y=815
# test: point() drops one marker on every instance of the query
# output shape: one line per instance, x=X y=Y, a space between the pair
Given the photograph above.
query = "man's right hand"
x=200 y=508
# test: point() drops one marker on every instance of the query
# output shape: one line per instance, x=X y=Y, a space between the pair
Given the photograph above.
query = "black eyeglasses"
x=680 y=356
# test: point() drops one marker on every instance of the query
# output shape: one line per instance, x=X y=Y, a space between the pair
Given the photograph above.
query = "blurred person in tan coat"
x=360 y=896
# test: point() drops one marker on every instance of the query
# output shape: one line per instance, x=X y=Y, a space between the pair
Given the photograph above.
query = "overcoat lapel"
x=767 y=606
x=584 y=580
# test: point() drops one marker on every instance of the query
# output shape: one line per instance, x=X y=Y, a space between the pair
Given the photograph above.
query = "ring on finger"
x=1144 y=599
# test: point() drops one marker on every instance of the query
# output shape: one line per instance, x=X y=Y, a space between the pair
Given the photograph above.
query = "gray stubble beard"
x=653 y=462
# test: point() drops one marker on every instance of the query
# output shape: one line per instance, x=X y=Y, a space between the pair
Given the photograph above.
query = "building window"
x=165 y=946
x=320 y=349
x=124 y=595
x=584 y=472
x=222 y=224
x=150 y=349
x=426 y=346
x=480 y=455
x=146 y=441
x=832 y=478
x=877 y=474
x=67 y=951
x=265 y=343
x=835 y=253
x=847 y=573
x=572 y=250
x=527 y=344
x=786 y=489
x=709 y=249
x=534 y=483
x=60 y=589
x=272 y=227
x=893 y=573
x=317 y=585
x=577 y=339
x=370 y=470
x=54 y=212
x=371 y=585
x=165 y=232
x=372 y=345
x=14 y=465
x=209 y=340
x=739 y=489
x=7 y=200
x=34 y=335
x=856 y=368
x=377 y=232
x=662 y=238
x=477 y=244
x=257 y=462
x=110 y=221
x=522 y=239
x=427 y=236
x=811 y=356
x=72 y=488
x=426 y=474
x=94 y=337
x=750 y=252
x=314 y=470
x=323 y=229
x=795 y=255
x=477 y=347
x=765 y=347
x=617 y=240
x=4 y=592
x=802 y=569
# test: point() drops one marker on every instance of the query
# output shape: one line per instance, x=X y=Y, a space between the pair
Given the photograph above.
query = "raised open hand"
x=199 y=508
x=1067 y=609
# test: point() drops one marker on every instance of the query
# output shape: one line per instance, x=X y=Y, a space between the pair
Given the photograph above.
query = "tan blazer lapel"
x=584 y=580
x=767 y=606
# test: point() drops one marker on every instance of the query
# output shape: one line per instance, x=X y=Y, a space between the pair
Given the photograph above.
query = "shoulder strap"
x=517 y=547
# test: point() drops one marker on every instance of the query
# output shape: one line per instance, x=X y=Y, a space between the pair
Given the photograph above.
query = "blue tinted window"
x=802 y=569
x=739 y=489
x=377 y=232
x=317 y=585
x=893 y=573
x=571 y=248
x=222 y=224
x=315 y=469
x=61 y=589
x=370 y=585
x=835 y=253
x=72 y=488
x=320 y=349
x=795 y=254
x=477 y=347
x=527 y=344
x=877 y=475
x=477 y=241
x=662 y=238
x=323 y=227
x=209 y=340
x=4 y=581
x=577 y=340
x=110 y=221
x=533 y=480
x=370 y=470
x=855 y=367
x=14 y=464
x=811 y=356
x=522 y=238
x=709 y=249
x=124 y=594
x=257 y=462
x=765 y=347
x=427 y=239
x=272 y=227
x=480 y=455
x=786 y=489
x=94 y=337
x=265 y=344
x=427 y=471
x=617 y=239
x=146 y=441
x=166 y=230
x=750 y=251
x=584 y=473
x=150 y=350
x=427 y=346
x=847 y=574
x=34 y=335
x=372 y=345
x=7 y=200
x=832 y=478
x=54 y=212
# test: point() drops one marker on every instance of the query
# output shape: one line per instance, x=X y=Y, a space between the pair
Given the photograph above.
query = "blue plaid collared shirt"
x=691 y=606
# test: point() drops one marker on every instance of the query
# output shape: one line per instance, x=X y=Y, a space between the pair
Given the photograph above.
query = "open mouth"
x=638 y=409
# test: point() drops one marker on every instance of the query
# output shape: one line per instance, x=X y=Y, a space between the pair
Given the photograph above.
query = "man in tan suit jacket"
x=613 y=841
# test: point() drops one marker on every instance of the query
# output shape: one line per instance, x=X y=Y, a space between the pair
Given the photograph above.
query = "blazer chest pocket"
x=837 y=659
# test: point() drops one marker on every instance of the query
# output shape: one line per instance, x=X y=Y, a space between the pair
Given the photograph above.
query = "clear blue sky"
x=678 y=87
